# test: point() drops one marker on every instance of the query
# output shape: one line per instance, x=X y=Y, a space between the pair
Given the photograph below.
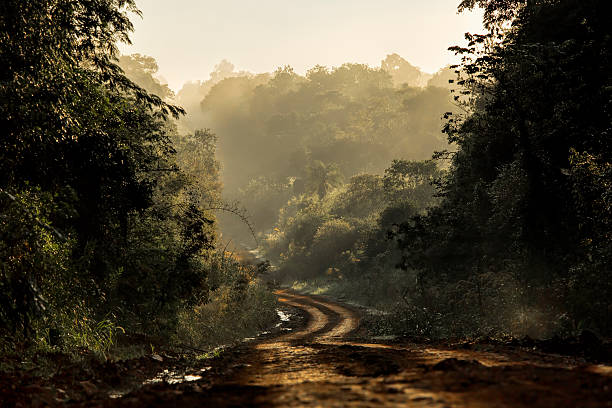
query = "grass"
x=227 y=317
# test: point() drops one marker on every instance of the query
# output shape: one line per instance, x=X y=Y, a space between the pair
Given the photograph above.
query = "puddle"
x=172 y=377
x=283 y=316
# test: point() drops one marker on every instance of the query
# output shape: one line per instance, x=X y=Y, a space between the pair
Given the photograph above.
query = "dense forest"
x=473 y=202
x=504 y=232
x=283 y=135
x=107 y=226
x=520 y=242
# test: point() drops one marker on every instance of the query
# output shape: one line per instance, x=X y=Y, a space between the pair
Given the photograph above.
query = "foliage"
x=291 y=134
x=343 y=234
x=402 y=72
x=321 y=178
x=237 y=306
x=105 y=209
x=525 y=197
x=34 y=256
x=141 y=69
x=496 y=12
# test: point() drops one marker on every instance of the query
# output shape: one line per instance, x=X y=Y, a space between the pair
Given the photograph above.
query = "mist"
x=272 y=126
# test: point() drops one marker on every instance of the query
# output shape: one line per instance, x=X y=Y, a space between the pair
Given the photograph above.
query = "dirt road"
x=323 y=363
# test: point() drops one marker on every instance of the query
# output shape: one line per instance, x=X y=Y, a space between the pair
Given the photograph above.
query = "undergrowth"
x=239 y=305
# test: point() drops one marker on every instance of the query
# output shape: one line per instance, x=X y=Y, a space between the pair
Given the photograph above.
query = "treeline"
x=104 y=220
x=326 y=164
x=507 y=234
x=280 y=133
x=107 y=196
x=515 y=238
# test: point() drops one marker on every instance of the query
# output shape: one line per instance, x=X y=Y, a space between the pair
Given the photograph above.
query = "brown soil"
x=326 y=362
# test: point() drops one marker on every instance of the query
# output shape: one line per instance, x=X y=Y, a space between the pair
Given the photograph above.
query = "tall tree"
x=83 y=151
x=539 y=100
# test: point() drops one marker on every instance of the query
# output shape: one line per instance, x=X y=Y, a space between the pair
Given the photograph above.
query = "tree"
x=496 y=12
x=141 y=70
x=411 y=180
x=321 y=178
x=535 y=90
x=403 y=72
x=83 y=153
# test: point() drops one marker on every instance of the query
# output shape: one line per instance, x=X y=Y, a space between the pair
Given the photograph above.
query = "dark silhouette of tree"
x=537 y=97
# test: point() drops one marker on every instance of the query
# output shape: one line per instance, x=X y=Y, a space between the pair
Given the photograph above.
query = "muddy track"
x=324 y=363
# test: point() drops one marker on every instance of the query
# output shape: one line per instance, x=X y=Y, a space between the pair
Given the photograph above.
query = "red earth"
x=326 y=361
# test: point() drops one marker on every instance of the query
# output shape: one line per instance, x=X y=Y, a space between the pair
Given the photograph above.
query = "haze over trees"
x=518 y=235
x=278 y=132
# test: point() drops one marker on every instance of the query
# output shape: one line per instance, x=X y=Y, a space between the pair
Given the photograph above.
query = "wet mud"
x=329 y=363
x=321 y=358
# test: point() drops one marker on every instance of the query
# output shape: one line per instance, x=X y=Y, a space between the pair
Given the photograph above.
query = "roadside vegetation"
x=327 y=165
x=109 y=244
x=520 y=242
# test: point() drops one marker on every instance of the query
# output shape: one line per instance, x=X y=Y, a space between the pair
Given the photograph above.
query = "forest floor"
x=321 y=357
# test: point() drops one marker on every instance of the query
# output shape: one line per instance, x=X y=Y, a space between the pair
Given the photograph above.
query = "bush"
x=35 y=265
x=238 y=306
x=494 y=304
x=331 y=240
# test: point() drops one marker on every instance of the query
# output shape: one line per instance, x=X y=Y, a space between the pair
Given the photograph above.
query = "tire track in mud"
x=325 y=364
x=326 y=321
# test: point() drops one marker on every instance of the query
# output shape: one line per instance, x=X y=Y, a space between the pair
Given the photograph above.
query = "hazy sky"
x=189 y=37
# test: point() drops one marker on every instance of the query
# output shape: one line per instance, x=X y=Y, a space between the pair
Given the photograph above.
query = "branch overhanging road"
x=325 y=363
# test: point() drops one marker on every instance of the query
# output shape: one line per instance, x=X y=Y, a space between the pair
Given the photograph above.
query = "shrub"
x=238 y=306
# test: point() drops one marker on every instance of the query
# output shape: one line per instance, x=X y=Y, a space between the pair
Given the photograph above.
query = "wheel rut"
x=325 y=364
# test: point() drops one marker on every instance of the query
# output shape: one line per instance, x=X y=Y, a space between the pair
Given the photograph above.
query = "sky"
x=189 y=37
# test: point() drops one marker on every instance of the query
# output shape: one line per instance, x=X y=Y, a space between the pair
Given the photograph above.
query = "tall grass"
x=239 y=305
